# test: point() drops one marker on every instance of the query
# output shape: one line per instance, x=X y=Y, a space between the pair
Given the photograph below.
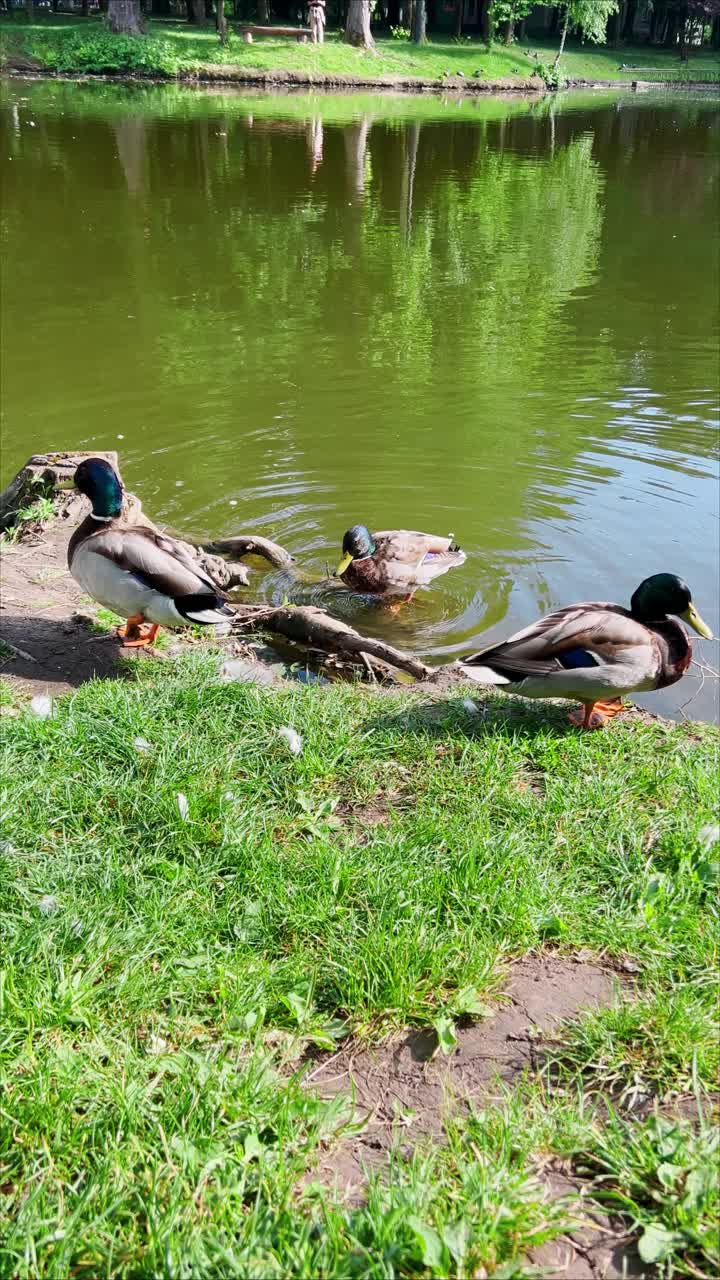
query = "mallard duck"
x=395 y=561
x=134 y=570
x=596 y=652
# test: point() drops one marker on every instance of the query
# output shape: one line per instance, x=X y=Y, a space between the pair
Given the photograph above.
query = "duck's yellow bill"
x=343 y=565
x=692 y=617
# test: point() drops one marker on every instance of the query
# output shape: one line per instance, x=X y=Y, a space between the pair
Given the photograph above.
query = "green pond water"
x=294 y=313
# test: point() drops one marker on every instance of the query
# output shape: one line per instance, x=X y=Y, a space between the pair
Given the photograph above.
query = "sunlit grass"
x=174 y=47
x=163 y=967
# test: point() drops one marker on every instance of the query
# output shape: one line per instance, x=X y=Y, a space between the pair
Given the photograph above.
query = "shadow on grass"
x=496 y=717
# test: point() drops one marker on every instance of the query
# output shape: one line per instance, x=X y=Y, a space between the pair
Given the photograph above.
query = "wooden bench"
x=301 y=34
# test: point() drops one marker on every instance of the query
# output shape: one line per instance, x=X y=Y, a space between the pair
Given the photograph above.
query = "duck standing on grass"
x=139 y=573
x=596 y=652
x=396 y=561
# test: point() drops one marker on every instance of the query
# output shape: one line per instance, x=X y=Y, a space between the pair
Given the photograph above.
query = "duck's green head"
x=357 y=545
x=99 y=482
x=665 y=593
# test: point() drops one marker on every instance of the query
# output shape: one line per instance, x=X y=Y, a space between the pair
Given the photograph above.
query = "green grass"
x=161 y=975
x=176 y=48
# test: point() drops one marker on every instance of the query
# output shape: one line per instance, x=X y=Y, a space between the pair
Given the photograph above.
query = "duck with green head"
x=139 y=573
x=596 y=652
x=395 y=561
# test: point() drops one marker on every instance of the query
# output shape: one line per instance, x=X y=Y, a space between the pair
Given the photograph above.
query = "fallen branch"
x=315 y=628
x=251 y=545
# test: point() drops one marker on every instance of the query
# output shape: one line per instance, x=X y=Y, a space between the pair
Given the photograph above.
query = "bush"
x=99 y=51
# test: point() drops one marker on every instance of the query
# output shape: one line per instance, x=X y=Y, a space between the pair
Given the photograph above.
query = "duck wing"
x=157 y=561
x=411 y=557
x=594 y=634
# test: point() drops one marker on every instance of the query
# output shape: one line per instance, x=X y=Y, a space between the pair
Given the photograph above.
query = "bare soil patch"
x=53 y=650
x=404 y=1088
x=599 y=1248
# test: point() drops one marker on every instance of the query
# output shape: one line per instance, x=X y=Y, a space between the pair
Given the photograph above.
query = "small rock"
x=245 y=669
x=156 y=1044
x=182 y=805
x=142 y=746
x=42 y=706
x=48 y=905
x=292 y=738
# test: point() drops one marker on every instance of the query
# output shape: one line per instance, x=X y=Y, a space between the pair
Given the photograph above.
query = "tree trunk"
x=419 y=30
x=221 y=21
x=521 y=32
x=682 y=31
x=30 y=9
x=715 y=37
x=125 y=18
x=393 y=13
x=615 y=26
x=628 y=24
x=566 y=19
x=555 y=21
x=196 y=12
x=486 y=21
x=509 y=29
x=85 y=8
x=263 y=12
x=671 y=30
x=357 y=25
x=459 y=16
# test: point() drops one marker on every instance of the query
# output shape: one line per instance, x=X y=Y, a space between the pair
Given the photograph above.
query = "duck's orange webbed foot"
x=595 y=715
x=135 y=635
x=395 y=606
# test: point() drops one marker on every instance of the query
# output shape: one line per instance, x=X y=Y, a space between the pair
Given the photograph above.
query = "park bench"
x=247 y=31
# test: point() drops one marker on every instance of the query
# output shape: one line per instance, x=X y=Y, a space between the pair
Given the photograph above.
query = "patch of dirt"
x=600 y=1247
x=53 y=650
x=404 y=1088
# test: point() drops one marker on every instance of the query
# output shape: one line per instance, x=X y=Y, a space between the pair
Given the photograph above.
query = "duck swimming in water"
x=596 y=652
x=395 y=561
x=139 y=573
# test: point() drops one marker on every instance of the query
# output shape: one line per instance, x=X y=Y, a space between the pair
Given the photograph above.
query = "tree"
x=505 y=13
x=125 y=18
x=588 y=16
x=221 y=21
x=357 y=25
x=419 y=26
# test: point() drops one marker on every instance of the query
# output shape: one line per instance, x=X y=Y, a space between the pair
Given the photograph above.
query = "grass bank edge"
x=176 y=50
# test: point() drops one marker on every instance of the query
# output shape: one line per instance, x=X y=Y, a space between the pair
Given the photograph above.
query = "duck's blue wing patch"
x=571 y=659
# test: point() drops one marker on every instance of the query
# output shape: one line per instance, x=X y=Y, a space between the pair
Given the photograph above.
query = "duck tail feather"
x=484 y=675
x=204 y=608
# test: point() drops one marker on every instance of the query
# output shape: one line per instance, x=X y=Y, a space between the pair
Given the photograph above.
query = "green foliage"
x=548 y=73
x=509 y=11
x=103 y=53
x=399 y=33
x=34 y=513
x=590 y=17
x=663 y=1173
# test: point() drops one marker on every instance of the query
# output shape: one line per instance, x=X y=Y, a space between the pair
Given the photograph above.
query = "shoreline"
x=269 y=78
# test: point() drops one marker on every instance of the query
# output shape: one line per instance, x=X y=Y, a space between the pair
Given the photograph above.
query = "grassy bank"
x=176 y=49
x=166 y=961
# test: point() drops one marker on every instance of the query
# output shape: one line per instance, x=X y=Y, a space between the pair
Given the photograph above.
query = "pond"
x=290 y=314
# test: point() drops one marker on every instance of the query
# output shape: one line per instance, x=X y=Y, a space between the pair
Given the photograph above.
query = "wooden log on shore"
x=316 y=629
